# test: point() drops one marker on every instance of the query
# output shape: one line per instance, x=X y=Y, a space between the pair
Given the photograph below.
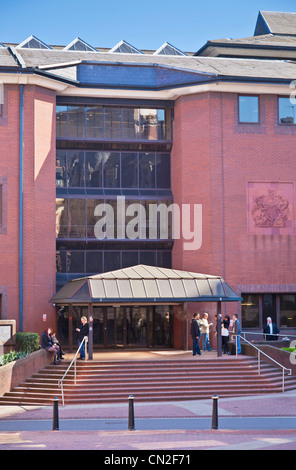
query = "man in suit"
x=270 y=330
x=195 y=335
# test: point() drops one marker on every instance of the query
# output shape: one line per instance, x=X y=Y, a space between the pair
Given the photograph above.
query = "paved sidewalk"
x=244 y=423
x=179 y=420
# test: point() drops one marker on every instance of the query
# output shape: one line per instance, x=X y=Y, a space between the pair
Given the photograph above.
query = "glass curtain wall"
x=89 y=174
x=113 y=123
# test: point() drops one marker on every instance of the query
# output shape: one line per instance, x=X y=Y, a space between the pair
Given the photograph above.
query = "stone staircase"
x=153 y=380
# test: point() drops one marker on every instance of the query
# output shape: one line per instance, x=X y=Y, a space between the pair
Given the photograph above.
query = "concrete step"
x=114 y=381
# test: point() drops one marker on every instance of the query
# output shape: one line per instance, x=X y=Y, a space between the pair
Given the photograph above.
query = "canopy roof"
x=146 y=284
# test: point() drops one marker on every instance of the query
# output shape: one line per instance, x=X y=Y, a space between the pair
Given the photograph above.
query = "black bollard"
x=215 y=412
x=55 y=420
x=131 y=416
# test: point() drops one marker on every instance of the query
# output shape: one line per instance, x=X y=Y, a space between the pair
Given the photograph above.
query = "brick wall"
x=39 y=205
x=215 y=163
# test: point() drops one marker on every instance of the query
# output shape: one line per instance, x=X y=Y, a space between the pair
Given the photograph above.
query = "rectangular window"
x=75 y=169
x=269 y=307
x=95 y=122
x=256 y=308
x=288 y=310
x=113 y=123
x=94 y=169
x=61 y=218
x=250 y=311
x=111 y=169
x=61 y=121
x=287 y=111
x=77 y=218
x=248 y=109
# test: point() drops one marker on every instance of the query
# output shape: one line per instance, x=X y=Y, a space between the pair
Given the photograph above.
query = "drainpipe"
x=21 y=209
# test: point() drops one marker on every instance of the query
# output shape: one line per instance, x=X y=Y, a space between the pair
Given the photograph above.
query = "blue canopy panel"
x=137 y=76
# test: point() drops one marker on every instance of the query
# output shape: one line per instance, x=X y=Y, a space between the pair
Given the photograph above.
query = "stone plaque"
x=5 y=333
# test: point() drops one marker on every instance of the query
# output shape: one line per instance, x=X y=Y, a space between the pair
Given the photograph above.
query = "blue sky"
x=187 y=24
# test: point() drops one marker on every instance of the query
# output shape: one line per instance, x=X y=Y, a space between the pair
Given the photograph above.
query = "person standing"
x=270 y=330
x=237 y=331
x=83 y=331
x=205 y=330
x=225 y=334
x=195 y=335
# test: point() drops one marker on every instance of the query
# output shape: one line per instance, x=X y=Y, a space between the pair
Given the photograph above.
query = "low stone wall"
x=278 y=354
x=13 y=373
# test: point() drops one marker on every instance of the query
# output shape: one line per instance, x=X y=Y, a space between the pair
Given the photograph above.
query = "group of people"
x=200 y=328
x=50 y=342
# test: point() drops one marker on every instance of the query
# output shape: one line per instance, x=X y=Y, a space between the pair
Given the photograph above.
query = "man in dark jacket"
x=272 y=329
x=195 y=335
x=83 y=331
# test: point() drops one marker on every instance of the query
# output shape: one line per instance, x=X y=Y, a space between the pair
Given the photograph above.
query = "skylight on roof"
x=124 y=47
x=168 y=49
x=79 y=45
x=32 y=43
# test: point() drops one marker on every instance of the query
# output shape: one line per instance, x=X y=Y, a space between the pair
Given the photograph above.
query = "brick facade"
x=39 y=205
x=216 y=161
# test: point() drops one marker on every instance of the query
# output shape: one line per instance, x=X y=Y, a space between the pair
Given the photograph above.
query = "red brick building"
x=80 y=126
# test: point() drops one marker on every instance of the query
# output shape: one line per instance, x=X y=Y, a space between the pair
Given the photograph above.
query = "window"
x=79 y=45
x=144 y=218
x=87 y=262
x=113 y=123
x=32 y=43
x=128 y=170
x=288 y=310
x=248 y=109
x=287 y=111
x=250 y=311
x=257 y=307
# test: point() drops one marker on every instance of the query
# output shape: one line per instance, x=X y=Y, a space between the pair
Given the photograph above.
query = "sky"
x=187 y=24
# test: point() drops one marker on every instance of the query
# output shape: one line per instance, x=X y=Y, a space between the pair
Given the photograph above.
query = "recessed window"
x=287 y=111
x=248 y=109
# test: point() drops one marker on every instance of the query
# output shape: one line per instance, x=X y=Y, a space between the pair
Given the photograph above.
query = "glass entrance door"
x=118 y=327
x=136 y=326
x=132 y=326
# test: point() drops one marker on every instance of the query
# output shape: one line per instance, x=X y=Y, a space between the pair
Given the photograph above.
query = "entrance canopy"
x=146 y=284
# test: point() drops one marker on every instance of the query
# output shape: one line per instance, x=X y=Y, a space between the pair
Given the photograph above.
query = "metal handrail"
x=267 y=334
x=269 y=357
x=85 y=339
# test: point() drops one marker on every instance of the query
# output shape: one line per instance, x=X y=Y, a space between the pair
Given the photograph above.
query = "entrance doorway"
x=133 y=326
x=121 y=327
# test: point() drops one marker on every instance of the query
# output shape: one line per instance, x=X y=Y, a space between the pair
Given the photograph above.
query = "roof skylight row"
x=78 y=44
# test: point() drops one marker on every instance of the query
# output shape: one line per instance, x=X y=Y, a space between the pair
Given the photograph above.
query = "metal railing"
x=259 y=358
x=267 y=334
x=85 y=340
